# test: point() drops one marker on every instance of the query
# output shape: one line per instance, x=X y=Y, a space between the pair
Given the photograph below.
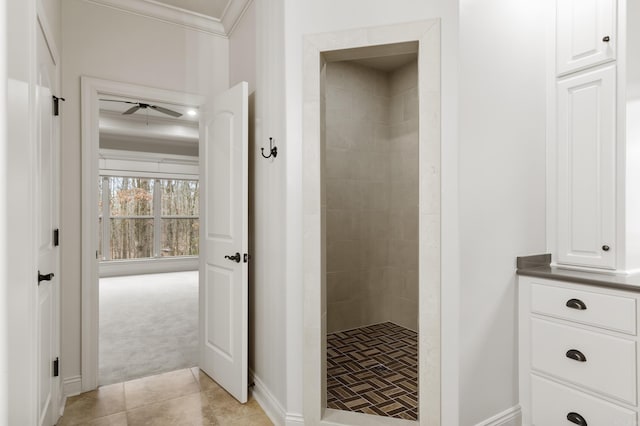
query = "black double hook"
x=273 y=150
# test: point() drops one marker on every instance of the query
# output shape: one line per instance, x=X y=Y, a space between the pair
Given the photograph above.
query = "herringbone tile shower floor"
x=374 y=370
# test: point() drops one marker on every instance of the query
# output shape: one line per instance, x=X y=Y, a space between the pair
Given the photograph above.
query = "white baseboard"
x=294 y=420
x=62 y=405
x=271 y=406
x=509 y=417
x=72 y=386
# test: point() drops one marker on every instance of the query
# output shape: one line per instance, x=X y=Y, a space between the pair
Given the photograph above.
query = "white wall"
x=242 y=49
x=106 y=43
x=502 y=189
x=310 y=17
x=268 y=223
x=4 y=202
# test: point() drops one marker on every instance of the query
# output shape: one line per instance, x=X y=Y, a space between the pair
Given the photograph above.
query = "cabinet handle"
x=606 y=39
x=576 y=418
x=576 y=355
x=576 y=304
x=605 y=247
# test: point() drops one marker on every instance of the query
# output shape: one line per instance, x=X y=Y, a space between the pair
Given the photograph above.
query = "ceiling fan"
x=142 y=105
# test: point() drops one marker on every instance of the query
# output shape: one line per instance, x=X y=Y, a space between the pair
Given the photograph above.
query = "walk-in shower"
x=371 y=178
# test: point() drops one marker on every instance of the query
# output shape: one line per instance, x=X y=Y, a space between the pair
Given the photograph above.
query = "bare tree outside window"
x=180 y=224
x=133 y=211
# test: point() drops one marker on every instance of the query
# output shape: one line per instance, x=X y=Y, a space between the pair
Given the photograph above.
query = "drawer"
x=609 y=366
x=601 y=310
x=552 y=402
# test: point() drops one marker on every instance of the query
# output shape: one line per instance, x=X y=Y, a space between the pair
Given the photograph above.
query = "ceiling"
x=147 y=129
x=212 y=8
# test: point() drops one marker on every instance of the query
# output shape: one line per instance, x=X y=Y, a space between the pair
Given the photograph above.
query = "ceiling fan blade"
x=166 y=111
x=117 y=100
x=131 y=110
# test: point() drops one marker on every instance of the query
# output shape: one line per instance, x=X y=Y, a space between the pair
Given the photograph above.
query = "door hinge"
x=56 y=237
x=56 y=367
x=246 y=257
x=56 y=105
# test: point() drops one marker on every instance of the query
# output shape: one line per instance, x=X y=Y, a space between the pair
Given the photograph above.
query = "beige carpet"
x=148 y=325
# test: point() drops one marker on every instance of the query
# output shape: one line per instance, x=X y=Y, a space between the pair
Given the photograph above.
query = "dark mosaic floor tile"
x=373 y=370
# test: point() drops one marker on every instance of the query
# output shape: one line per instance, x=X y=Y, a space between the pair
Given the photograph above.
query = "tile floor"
x=178 y=398
x=373 y=370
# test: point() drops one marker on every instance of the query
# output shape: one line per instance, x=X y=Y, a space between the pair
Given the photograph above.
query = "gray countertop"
x=539 y=266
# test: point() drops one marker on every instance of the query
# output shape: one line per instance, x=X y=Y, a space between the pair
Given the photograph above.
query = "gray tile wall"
x=371 y=176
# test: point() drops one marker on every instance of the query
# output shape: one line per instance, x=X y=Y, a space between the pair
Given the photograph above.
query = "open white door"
x=224 y=301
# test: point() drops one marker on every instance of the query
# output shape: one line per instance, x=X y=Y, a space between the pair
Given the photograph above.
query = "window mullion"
x=106 y=219
x=157 y=210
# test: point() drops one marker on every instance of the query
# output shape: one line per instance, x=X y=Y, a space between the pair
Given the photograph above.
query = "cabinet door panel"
x=586 y=169
x=582 y=30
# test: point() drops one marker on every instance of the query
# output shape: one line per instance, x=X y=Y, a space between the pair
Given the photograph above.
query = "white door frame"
x=91 y=90
x=427 y=34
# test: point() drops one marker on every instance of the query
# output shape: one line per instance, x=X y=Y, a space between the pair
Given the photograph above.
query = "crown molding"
x=233 y=14
x=170 y=14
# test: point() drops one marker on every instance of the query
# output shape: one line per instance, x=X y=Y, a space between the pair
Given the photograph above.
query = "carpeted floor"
x=148 y=325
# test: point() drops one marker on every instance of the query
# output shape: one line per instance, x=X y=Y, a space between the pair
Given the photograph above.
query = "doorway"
x=148 y=235
x=223 y=234
x=130 y=155
x=323 y=249
x=371 y=178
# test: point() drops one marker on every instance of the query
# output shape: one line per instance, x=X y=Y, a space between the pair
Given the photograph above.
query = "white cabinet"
x=586 y=175
x=586 y=34
x=577 y=365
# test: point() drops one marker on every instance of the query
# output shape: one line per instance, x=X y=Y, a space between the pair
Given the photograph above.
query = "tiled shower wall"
x=371 y=176
x=402 y=272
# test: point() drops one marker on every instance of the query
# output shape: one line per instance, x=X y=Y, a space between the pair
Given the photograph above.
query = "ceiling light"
x=192 y=112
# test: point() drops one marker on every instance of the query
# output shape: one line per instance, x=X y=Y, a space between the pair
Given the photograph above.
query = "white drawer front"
x=610 y=366
x=552 y=402
x=601 y=310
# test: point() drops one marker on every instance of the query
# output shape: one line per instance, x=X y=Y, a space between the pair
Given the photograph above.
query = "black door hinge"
x=56 y=237
x=247 y=257
x=56 y=105
x=56 y=367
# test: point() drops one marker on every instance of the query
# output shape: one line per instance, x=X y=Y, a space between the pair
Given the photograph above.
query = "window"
x=143 y=218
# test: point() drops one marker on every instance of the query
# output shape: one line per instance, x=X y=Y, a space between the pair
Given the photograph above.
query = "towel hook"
x=273 y=150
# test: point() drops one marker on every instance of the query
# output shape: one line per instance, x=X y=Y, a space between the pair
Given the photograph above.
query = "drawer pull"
x=576 y=304
x=576 y=355
x=577 y=419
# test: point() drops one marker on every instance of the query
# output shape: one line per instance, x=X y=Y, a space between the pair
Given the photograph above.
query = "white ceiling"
x=212 y=8
x=147 y=129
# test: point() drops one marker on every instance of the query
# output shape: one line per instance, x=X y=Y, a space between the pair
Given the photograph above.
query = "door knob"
x=235 y=257
x=47 y=277
x=605 y=248
x=606 y=39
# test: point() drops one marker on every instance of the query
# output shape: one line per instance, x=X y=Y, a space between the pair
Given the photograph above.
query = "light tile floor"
x=178 y=398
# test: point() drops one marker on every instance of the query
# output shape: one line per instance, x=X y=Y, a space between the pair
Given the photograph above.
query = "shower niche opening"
x=370 y=148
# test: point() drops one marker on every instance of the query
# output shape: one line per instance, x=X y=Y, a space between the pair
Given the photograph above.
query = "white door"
x=586 y=169
x=47 y=217
x=586 y=33
x=224 y=241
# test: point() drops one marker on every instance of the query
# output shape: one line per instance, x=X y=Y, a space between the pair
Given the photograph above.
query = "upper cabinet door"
x=586 y=34
x=586 y=169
